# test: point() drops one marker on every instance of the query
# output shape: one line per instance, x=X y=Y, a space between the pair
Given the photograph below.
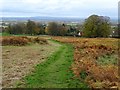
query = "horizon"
x=116 y=18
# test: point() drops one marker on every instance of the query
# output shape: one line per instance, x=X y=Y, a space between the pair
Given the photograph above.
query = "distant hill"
x=48 y=19
x=43 y=18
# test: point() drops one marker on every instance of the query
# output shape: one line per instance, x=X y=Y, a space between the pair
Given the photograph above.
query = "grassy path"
x=19 y=61
x=54 y=72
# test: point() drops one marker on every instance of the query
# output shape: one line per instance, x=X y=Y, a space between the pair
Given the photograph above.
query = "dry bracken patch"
x=86 y=54
x=21 y=40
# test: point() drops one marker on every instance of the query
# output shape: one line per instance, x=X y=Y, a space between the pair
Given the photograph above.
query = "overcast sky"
x=60 y=8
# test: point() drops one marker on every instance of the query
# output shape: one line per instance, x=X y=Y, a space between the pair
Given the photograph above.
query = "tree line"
x=94 y=26
x=52 y=28
x=30 y=28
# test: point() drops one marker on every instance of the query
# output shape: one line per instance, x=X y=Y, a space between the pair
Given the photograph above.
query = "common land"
x=62 y=62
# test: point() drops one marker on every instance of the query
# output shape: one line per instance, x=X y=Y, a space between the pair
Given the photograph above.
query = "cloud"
x=81 y=8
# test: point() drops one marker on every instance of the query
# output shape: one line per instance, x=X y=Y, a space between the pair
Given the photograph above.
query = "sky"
x=58 y=8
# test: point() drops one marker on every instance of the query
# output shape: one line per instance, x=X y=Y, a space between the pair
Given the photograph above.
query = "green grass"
x=55 y=71
x=108 y=60
x=5 y=34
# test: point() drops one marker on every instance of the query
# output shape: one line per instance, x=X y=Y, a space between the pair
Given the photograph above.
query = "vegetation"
x=5 y=34
x=94 y=26
x=108 y=60
x=97 y=26
x=55 y=72
x=95 y=61
x=56 y=29
x=16 y=29
x=31 y=26
x=89 y=61
x=19 y=61
x=79 y=62
x=21 y=40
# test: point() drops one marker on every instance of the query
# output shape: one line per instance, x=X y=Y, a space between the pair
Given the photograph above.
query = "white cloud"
x=60 y=7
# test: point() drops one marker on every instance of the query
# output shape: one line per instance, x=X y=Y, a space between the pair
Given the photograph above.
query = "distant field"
x=66 y=62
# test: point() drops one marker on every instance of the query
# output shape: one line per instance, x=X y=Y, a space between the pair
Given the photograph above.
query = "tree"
x=56 y=29
x=62 y=30
x=31 y=27
x=52 y=29
x=41 y=28
x=18 y=28
x=9 y=29
x=72 y=31
x=96 y=26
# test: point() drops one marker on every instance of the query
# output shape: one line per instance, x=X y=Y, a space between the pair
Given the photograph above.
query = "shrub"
x=21 y=41
x=40 y=40
x=16 y=41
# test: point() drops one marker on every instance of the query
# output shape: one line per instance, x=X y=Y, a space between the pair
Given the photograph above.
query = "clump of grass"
x=108 y=60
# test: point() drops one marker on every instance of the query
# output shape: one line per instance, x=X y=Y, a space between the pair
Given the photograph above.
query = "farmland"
x=62 y=62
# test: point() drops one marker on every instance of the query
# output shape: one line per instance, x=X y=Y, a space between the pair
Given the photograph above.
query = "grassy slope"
x=55 y=72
